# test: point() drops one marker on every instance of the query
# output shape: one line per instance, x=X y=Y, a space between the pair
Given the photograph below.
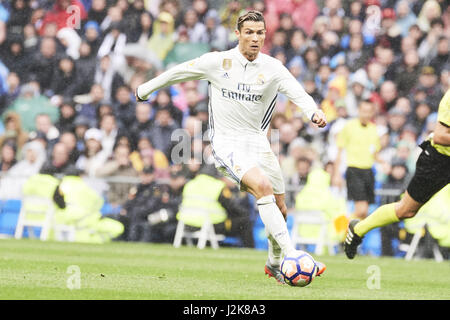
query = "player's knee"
x=264 y=187
x=403 y=212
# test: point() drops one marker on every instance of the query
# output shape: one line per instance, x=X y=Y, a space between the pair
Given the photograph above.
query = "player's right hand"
x=137 y=97
x=319 y=119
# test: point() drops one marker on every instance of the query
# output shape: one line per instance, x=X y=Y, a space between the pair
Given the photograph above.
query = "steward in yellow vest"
x=228 y=212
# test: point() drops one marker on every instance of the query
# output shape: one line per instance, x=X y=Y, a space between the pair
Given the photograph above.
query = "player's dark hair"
x=251 y=15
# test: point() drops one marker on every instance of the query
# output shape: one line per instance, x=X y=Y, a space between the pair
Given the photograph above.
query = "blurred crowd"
x=69 y=69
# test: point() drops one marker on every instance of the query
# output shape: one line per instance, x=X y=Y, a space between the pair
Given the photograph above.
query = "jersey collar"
x=243 y=60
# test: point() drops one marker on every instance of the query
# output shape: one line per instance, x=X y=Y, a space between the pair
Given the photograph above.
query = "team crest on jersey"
x=226 y=64
x=260 y=79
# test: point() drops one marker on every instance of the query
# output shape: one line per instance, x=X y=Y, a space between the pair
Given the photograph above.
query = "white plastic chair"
x=312 y=217
x=411 y=248
x=42 y=210
x=205 y=234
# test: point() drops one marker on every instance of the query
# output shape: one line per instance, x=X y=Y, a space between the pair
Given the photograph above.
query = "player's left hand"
x=138 y=99
x=319 y=119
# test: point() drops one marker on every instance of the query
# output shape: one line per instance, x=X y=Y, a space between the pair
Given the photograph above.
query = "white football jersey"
x=242 y=93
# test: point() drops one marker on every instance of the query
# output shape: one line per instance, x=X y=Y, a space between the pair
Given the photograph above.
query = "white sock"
x=274 y=250
x=273 y=220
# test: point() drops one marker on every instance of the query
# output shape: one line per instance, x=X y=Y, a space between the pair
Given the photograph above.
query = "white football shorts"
x=234 y=158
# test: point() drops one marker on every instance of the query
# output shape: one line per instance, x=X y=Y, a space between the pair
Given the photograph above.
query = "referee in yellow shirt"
x=431 y=175
x=360 y=140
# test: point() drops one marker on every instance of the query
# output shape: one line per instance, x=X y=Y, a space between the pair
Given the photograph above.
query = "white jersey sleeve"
x=291 y=88
x=195 y=69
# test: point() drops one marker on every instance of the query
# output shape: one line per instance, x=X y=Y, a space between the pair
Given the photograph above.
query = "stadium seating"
x=35 y=212
x=314 y=218
x=205 y=234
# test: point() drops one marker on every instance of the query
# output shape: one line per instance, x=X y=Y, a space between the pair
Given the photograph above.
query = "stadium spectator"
x=64 y=79
x=61 y=15
x=59 y=162
x=396 y=120
x=217 y=35
x=144 y=200
x=114 y=43
x=7 y=155
x=45 y=126
x=20 y=14
x=70 y=140
x=85 y=67
x=357 y=92
x=8 y=96
x=196 y=30
x=124 y=107
x=132 y=19
x=146 y=152
x=161 y=131
x=418 y=118
x=164 y=100
x=67 y=116
x=93 y=157
x=303 y=13
x=162 y=39
x=98 y=11
x=144 y=29
x=408 y=72
x=33 y=157
x=426 y=88
x=429 y=11
x=303 y=166
x=120 y=165
x=13 y=130
x=107 y=77
x=143 y=121
x=405 y=17
x=110 y=131
x=92 y=35
x=71 y=41
x=389 y=94
x=15 y=57
x=43 y=63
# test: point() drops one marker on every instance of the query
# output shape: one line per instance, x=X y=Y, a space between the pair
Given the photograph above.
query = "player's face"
x=251 y=38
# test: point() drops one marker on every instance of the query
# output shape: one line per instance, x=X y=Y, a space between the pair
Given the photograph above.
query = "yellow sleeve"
x=342 y=137
x=444 y=109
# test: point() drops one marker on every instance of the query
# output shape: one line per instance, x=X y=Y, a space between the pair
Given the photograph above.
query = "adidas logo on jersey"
x=225 y=75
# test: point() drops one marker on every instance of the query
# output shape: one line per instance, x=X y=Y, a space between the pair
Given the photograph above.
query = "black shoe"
x=352 y=240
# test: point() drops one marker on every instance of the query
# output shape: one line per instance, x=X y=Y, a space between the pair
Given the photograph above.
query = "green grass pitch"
x=31 y=269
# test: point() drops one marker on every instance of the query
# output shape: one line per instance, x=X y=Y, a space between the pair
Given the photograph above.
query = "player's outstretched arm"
x=295 y=92
x=195 y=69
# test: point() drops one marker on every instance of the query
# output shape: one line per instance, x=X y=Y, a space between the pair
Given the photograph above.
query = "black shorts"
x=360 y=184
x=432 y=173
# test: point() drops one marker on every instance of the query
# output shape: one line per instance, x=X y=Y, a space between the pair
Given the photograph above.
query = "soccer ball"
x=298 y=268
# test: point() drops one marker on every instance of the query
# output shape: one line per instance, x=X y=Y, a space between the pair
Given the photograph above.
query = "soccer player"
x=243 y=88
x=431 y=175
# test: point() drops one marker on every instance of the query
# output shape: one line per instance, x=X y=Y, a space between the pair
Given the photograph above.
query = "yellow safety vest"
x=200 y=198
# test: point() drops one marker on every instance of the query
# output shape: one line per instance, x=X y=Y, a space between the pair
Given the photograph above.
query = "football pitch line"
x=31 y=269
